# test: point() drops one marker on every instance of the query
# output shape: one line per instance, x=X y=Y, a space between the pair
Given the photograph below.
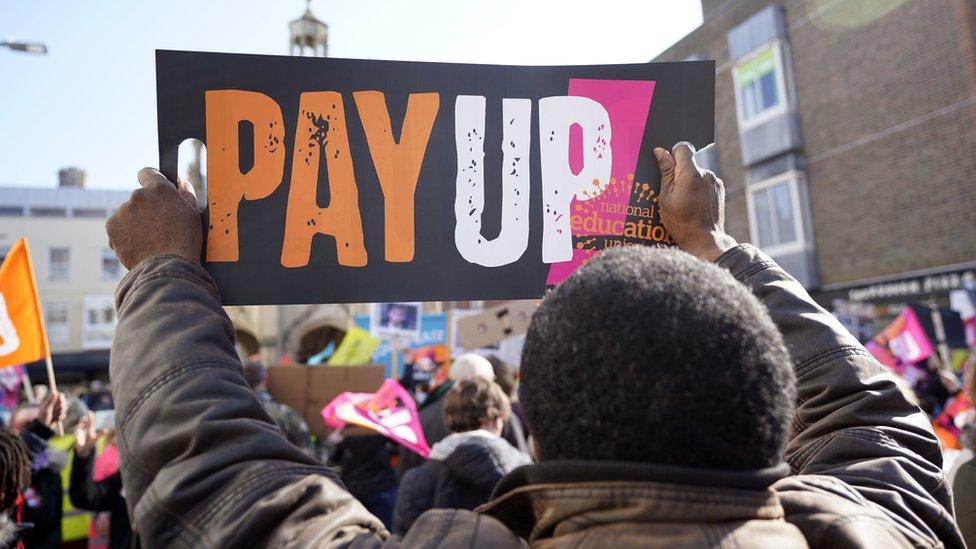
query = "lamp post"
x=309 y=33
x=35 y=48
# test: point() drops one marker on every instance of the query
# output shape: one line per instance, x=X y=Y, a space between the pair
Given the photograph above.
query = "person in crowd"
x=288 y=419
x=365 y=467
x=465 y=466
x=465 y=367
x=75 y=523
x=417 y=375
x=505 y=378
x=35 y=424
x=676 y=397
x=15 y=475
x=98 y=397
x=101 y=495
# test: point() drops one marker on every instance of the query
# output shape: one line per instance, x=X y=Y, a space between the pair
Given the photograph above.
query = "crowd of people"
x=64 y=486
x=665 y=398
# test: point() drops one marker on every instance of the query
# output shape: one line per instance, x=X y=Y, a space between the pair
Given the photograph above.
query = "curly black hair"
x=652 y=355
x=14 y=469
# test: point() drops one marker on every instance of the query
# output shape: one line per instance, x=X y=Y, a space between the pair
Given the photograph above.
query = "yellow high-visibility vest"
x=74 y=522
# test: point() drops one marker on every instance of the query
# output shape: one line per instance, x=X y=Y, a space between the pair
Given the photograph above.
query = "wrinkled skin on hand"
x=159 y=218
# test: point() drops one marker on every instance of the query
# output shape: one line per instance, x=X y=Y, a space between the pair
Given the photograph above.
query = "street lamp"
x=26 y=47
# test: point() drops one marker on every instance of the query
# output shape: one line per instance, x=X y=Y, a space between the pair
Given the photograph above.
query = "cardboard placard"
x=338 y=180
x=309 y=388
x=495 y=324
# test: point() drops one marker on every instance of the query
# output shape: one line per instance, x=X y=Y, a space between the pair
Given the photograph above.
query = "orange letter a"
x=321 y=129
x=398 y=164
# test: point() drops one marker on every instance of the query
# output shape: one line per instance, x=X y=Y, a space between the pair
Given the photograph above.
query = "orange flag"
x=22 y=335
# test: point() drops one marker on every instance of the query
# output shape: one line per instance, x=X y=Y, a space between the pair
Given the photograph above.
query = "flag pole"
x=28 y=387
x=51 y=382
x=394 y=357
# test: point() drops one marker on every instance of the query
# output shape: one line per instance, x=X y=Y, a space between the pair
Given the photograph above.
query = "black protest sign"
x=337 y=180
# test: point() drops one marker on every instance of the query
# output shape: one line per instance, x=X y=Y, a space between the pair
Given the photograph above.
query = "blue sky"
x=91 y=101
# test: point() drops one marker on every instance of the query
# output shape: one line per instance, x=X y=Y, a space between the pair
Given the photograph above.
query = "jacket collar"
x=557 y=497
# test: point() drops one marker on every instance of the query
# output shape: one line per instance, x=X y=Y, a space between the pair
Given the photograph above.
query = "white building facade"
x=77 y=272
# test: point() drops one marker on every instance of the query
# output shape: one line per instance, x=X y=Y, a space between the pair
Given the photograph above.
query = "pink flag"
x=11 y=379
x=902 y=343
x=390 y=411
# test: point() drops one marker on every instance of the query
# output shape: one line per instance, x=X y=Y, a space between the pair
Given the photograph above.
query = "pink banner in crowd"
x=11 y=378
x=902 y=343
x=390 y=411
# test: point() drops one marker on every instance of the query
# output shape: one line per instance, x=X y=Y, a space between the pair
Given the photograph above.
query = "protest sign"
x=309 y=388
x=433 y=332
x=495 y=324
x=390 y=411
x=396 y=320
x=901 y=343
x=337 y=180
x=356 y=348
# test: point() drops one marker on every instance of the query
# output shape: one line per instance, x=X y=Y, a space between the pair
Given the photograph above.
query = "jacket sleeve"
x=87 y=494
x=415 y=495
x=852 y=422
x=202 y=462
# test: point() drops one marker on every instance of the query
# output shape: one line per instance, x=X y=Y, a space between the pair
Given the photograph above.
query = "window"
x=57 y=321
x=90 y=212
x=774 y=214
x=760 y=85
x=43 y=211
x=58 y=264
x=111 y=268
x=98 y=325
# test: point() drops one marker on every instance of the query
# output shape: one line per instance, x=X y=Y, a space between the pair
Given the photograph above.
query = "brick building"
x=846 y=136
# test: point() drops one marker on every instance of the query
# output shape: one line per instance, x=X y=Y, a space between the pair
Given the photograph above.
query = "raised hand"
x=52 y=408
x=159 y=218
x=692 y=203
x=85 y=435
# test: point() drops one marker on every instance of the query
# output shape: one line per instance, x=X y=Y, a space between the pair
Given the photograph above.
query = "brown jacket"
x=204 y=466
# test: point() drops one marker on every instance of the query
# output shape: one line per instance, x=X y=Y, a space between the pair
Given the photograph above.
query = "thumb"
x=149 y=177
x=666 y=164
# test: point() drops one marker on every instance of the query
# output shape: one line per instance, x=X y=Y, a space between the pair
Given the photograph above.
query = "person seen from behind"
x=15 y=477
x=465 y=466
x=465 y=367
x=35 y=424
x=695 y=397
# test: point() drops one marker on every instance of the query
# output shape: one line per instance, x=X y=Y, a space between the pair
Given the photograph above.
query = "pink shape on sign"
x=627 y=102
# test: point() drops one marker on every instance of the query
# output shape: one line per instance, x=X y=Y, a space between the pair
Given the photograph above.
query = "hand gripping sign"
x=337 y=180
x=390 y=411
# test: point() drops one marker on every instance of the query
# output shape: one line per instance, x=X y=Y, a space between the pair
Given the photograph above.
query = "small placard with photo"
x=396 y=320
